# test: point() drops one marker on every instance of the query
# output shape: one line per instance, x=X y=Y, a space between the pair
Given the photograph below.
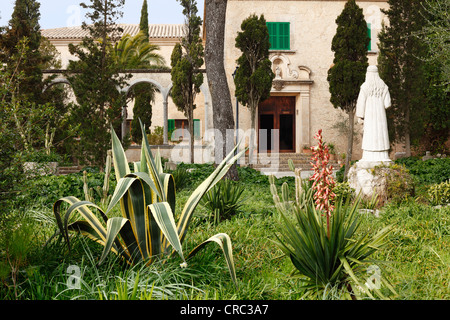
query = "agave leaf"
x=204 y=187
x=224 y=241
x=163 y=215
x=125 y=183
x=121 y=167
x=349 y=270
x=81 y=207
x=113 y=227
x=152 y=166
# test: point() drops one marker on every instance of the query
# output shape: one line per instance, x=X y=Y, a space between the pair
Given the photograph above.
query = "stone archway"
x=159 y=78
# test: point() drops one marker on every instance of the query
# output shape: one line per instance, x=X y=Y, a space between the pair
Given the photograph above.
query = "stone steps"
x=67 y=170
x=280 y=162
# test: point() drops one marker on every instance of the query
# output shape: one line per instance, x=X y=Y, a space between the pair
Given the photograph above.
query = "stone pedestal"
x=365 y=181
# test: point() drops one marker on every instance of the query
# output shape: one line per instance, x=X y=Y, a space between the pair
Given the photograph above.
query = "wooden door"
x=277 y=113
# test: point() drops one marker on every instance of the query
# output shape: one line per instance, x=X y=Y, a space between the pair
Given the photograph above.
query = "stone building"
x=301 y=35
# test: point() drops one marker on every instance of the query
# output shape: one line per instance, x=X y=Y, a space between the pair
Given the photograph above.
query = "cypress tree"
x=143 y=25
x=186 y=60
x=26 y=53
x=347 y=74
x=144 y=92
x=24 y=23
x=254 y=75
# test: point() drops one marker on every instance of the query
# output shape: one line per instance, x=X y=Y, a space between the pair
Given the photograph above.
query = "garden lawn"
x=416 y=260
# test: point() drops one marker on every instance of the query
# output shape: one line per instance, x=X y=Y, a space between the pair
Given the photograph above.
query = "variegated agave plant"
x=147 y=228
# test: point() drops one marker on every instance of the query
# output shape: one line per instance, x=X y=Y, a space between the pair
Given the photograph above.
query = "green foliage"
x=350 y=63
x=254 y=75
x=436 y=34
x=156 y=137
x=181 y=178
x=343 y=191
x=143 y=23
x=350 y=57
x=224 y=200
x=432 y=171
x=24 y=24
x=439 y=194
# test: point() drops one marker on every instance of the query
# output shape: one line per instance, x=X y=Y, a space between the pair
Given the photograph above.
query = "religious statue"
x=373 y=100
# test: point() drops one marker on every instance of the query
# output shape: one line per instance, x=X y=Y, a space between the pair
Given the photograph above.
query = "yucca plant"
x=323 y=259
x=322 y=240
x=147 y=198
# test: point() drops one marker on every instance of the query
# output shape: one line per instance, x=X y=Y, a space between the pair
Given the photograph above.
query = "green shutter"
x=170 y=125
x=284 y=35
x=196 y=129
x=279 y=35
x=369 y=35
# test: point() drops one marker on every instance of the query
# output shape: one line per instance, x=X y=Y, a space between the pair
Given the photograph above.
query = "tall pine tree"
x=350 y=64
x=95 y=78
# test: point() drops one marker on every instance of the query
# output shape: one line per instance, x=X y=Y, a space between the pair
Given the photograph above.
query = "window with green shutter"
x=196 y=128
x=369 y=35
x=182 y=124
x=279 y=34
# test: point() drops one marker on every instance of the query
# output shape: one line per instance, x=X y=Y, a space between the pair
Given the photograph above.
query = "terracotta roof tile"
x=156 y=31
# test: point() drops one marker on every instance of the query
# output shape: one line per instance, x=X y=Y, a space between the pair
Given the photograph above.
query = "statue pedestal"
x=365 y=181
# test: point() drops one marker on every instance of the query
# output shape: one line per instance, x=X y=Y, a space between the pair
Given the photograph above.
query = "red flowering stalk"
x=323 y=179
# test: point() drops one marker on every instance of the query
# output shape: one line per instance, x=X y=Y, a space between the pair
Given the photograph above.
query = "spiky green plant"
x=329 y=255
x=147 y=200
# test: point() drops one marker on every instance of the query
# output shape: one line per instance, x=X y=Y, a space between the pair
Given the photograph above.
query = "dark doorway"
x=266 y=122
x=277 y=113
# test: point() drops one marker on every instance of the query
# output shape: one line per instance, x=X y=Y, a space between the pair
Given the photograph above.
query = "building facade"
x=301 y=32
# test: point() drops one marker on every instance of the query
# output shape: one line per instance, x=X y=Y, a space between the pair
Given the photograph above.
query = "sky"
x=68 y=13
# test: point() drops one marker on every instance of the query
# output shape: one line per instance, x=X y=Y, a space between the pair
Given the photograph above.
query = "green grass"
x=416 y=261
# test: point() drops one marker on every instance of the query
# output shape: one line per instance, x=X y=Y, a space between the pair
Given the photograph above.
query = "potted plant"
x=307 y=149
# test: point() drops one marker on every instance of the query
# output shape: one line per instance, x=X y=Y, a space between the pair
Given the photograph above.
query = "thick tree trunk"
x=348 y=159
x=407 y=134
x=215 y=13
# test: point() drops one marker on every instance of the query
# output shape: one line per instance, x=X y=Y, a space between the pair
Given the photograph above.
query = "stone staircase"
x=278 y=165
x=68 y=170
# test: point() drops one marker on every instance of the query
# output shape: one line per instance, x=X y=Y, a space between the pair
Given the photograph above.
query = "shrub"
x=224 y=200
x=343 y=191
x=429 y=171
x=181 y=178
x=439 y=194
x=156 y=137
x=322 y=239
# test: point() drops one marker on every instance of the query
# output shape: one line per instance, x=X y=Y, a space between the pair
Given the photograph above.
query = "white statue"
x=373 y=99
x=278 y=73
